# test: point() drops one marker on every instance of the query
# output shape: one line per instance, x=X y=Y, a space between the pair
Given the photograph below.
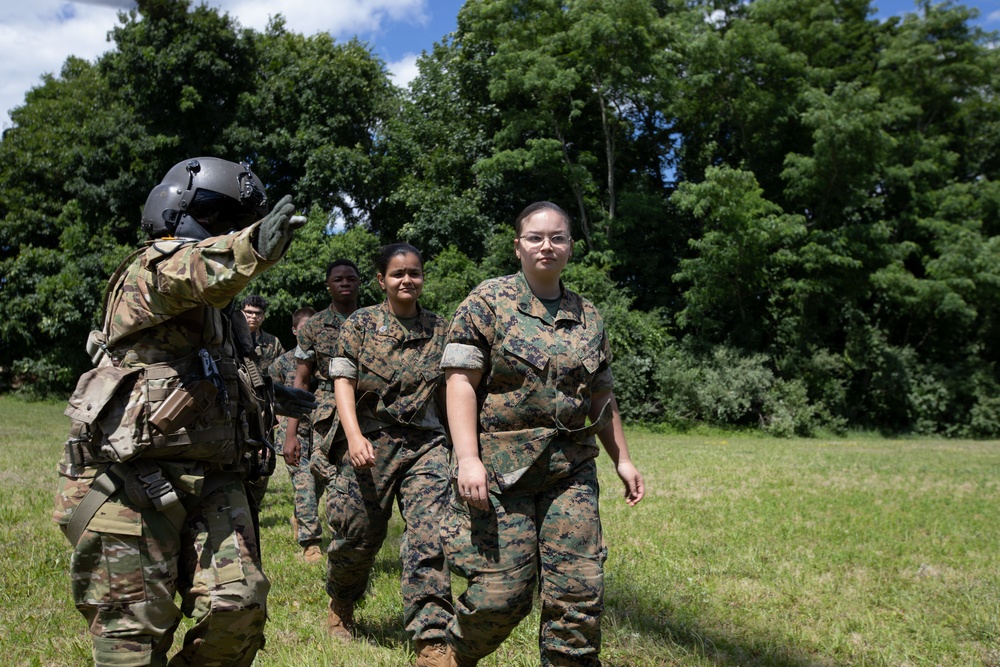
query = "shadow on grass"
x=661 y=622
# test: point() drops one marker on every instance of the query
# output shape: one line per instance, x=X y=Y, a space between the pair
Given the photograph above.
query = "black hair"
x=531 y=209
x=255 y=301
x=341 y=262
x=387 y=252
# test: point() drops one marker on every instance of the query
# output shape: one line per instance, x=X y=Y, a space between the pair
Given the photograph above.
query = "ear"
x=381 y=281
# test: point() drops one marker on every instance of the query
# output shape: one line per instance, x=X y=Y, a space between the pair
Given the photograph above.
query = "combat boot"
x=295 y=528
x=452 y=659
x=312 y=554
x=340 y=621
x=432 y=653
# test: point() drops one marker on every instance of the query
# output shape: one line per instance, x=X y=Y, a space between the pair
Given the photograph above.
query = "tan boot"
x=433 y=653
x=295 y=528
x=312 y=554
x=340 y=621
x=452 y=659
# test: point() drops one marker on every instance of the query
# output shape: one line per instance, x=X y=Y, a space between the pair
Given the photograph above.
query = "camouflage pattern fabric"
x=411 y=468
x=308 y=482
x=317 y=343
x=397 y=373
x=130 y=562
x=397 y=370
x=552 y=527
x=267 y=347
x=539 y=373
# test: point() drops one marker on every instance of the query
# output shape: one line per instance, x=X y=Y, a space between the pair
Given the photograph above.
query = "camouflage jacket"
x=282 y=371
x=539 y=372
x=397 y=371
x=268 y=348
x=165 y=307
x=317 y=343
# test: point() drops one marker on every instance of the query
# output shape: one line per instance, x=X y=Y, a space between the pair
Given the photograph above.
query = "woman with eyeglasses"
x=527 y=364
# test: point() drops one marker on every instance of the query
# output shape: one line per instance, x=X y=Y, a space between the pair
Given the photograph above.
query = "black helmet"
x=204 y=197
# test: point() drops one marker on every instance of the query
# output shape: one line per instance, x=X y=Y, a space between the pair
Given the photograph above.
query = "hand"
x=472 y=485
x=361 y=452
x=634 y=487
x=291 y=402
x=277 y=227
x=292 y=450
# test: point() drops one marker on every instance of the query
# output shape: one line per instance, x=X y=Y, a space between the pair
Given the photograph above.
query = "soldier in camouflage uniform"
x=527 y=362
x=267 y=346
x=151 y=488
x=392 y=448
x=308 y=486
x=317 y=345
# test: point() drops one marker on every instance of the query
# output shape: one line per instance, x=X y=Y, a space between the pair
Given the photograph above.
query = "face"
x=403 y=281
x=544 y=245
x=342 y=283
x=255 y=317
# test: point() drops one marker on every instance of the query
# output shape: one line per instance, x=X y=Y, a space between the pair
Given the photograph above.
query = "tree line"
x=787 y=210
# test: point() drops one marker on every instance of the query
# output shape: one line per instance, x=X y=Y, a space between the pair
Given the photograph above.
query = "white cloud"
x=404 y=71
x=37 y=36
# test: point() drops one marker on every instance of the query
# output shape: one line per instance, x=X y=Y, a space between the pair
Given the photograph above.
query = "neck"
x=544 y=288
x=342 y=308
x=403 y=309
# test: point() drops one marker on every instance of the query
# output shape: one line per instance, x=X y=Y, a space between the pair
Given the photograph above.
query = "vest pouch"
x=182 y=405
x=182 y=418
x=106 y=399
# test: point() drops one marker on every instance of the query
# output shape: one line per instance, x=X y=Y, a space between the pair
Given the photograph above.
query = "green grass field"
x=746 y=551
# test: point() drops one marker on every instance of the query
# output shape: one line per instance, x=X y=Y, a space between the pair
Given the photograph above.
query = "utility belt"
x=146 y=487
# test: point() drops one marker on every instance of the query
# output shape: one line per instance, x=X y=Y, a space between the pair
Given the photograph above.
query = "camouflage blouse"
x=397 y=370
x=539 y=371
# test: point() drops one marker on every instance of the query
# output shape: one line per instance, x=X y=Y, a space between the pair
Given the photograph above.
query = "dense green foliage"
x=788 y=212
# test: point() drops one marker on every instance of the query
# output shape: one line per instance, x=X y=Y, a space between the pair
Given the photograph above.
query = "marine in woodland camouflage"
x=130 y=560
x=539 y=374
x=317 y=343
x=309 y=479
x=268 y=348
x=397 y=373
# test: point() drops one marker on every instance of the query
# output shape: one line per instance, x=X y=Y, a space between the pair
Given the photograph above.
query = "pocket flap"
x=509 y=454
x=94 y=389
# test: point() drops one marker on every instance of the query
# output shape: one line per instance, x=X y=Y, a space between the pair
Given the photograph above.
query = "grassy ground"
x=746 y=551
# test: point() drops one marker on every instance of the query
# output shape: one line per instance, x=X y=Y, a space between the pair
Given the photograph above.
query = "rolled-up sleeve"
x=460 y=355
x=342 y=367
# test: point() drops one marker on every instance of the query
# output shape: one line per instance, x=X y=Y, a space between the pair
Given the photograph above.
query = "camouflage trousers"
x=309 y=481
x=411 y=468
x=131 y=562
x=542 y=525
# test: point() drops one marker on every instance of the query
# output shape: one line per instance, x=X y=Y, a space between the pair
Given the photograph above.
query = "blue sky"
x=36 y=36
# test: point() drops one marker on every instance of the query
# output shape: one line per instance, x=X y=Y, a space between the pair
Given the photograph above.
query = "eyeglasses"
x=536 y=240
x=253 y=313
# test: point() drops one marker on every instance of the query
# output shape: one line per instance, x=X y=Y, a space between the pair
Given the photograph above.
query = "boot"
x=340 y=621
x=452 y=659
x=295 y=528
x=431 y=653
x=312 y=554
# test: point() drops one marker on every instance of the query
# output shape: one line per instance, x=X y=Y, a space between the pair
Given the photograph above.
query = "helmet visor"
x=220 y=213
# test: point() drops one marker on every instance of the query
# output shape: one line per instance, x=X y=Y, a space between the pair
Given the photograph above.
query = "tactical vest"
x=173 y=408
